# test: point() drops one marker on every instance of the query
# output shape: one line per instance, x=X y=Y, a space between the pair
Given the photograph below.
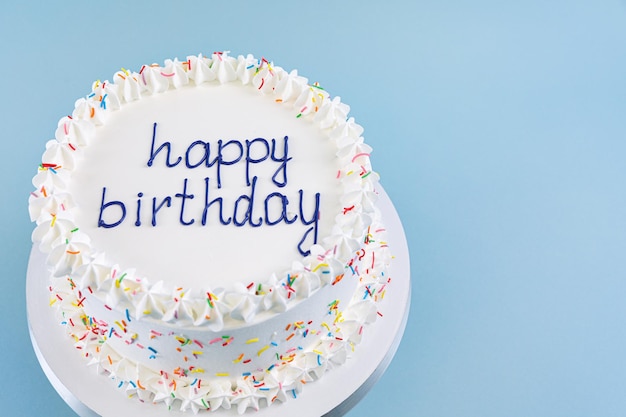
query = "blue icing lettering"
x=248 y=209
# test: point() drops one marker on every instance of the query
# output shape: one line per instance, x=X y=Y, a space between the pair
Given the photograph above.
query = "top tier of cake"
x=215 y=183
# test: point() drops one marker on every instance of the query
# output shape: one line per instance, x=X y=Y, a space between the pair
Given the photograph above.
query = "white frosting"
x=138 y=295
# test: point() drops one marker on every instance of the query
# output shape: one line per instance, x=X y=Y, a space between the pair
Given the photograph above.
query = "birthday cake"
x=211 y=232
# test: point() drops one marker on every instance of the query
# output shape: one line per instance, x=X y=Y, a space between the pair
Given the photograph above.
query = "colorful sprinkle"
x=358 y=155
x=263 y=349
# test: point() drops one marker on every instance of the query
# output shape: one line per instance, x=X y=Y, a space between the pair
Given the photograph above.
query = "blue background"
x=499 y=130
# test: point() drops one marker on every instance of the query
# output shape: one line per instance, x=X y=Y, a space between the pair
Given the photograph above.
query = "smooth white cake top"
x=122 y=197
x=203 y=251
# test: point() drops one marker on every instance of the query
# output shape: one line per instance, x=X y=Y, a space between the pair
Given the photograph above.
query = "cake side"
x=197 y=369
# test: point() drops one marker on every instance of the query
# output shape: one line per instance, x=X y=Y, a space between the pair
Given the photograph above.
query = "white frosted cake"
x=211 y=232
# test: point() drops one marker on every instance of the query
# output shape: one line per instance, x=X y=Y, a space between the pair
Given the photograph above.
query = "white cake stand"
x=93 y=395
